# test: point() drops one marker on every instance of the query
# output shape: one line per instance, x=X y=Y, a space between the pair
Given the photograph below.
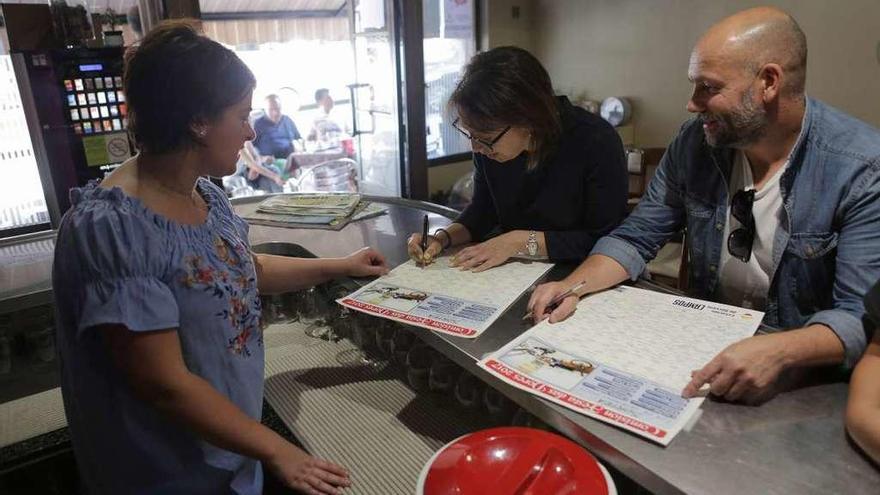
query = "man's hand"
x=745 y=371
x=543 y=294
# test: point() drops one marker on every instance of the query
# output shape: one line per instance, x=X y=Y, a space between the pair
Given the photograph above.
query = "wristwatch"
x=532 y=243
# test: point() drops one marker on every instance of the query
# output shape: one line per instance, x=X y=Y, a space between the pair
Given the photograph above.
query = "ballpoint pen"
x=558 y=299
x=424 y=243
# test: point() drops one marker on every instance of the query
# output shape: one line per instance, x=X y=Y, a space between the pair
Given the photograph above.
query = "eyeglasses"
x=739 y=242
x=489 y=145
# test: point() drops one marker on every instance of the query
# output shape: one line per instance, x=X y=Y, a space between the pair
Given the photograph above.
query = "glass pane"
x=117 y=17
x=22 y=203
x=450 y=41
x=293 y=58
x=377 y=114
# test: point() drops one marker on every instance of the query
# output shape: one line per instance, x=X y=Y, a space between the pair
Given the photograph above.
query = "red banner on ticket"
x=408 y=318
x=577 y=403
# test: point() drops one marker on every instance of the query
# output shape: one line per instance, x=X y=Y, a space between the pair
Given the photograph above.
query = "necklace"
x=193 y=197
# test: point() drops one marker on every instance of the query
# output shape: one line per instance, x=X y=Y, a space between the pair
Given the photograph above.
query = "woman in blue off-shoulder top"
x=157 y=293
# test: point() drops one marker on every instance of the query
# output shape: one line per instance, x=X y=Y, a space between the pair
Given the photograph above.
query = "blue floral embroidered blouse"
x=117 y=262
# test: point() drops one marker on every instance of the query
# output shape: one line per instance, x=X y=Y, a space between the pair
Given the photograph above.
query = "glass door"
x=375 y=94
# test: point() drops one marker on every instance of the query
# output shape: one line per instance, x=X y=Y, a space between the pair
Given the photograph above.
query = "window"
x=293 y=53
x=450 y=42
x=22 y=202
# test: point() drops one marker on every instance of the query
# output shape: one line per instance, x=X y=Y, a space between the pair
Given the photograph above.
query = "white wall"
x=640 y=49
x=508 y=22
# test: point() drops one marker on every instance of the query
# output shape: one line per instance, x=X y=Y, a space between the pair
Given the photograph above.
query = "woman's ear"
x=199 y=130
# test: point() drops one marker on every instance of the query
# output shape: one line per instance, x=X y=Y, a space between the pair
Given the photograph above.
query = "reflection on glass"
x=22 y=202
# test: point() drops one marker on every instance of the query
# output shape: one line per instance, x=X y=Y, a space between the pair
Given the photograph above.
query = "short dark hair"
x=177 y=77
x=508 y=86
x=320 y=94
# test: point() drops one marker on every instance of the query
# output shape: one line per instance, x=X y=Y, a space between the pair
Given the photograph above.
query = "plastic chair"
x=236 y=186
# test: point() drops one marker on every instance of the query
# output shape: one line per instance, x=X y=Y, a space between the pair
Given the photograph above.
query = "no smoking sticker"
x=106 y=149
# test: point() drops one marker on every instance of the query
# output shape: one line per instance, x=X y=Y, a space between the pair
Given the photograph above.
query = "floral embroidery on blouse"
x=243 y=308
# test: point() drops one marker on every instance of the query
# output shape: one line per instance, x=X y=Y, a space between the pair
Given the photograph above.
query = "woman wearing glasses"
x=549 y=178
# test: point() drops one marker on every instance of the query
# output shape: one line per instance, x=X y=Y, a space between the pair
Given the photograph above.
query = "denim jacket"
x=827 y=250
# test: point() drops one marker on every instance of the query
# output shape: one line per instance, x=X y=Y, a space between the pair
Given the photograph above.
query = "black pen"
x=424 y=240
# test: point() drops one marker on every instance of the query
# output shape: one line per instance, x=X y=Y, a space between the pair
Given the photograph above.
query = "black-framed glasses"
x=739 y=242
x=490 y=145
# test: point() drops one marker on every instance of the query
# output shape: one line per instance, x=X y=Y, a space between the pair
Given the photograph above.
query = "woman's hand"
x=300 y=471
x=414 y=247
x=490 y=253
x=365 y=262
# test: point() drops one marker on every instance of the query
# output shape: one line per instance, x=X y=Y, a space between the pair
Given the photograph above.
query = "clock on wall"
x=616 y=110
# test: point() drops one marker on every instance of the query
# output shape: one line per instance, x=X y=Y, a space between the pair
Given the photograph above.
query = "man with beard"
x=780 y=196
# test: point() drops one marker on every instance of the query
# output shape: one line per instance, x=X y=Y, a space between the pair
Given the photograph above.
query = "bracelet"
x=448 y=242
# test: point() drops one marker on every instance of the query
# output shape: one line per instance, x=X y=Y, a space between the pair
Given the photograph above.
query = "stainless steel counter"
x=26 y=271
x=793 y=444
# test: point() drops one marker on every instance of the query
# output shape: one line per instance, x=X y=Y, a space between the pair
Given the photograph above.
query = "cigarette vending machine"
x=78 y=115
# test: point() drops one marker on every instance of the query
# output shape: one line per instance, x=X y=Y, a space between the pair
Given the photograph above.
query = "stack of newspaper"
x=308 y=208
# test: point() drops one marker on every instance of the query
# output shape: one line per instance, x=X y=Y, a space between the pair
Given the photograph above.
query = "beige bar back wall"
x=640 y=49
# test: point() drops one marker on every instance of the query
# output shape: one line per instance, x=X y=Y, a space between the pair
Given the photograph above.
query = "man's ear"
x=770 y=76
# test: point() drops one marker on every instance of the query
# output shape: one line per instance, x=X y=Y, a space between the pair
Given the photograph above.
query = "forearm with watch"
x=532 y=243
x=529 y=243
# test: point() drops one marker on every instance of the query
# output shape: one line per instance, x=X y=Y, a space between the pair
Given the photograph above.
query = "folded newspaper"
x=332 y=206
x=309 y=210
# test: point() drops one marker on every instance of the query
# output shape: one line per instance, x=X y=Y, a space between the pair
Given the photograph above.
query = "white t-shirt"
x=747 y=284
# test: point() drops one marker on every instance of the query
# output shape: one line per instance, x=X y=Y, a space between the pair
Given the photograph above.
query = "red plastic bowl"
x=513 y=460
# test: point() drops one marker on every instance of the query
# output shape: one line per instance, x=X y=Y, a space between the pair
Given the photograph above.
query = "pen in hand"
x=556 y=300
x=424 y=243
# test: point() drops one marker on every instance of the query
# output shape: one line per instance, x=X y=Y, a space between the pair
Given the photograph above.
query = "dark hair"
x=177 y=77
x=507 y=86
x=320 y=94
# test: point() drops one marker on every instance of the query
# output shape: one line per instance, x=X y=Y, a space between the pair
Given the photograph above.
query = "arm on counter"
x=748 y=371
x=277 y=274
x=863 y=408
x=495 y=251
x=598 y=271
x=152 y=363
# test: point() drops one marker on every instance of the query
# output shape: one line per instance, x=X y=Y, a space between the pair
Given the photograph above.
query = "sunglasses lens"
x=739 y=244
x=741 y=206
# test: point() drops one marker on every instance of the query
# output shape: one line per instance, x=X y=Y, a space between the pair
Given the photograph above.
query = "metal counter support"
x=25 y=271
